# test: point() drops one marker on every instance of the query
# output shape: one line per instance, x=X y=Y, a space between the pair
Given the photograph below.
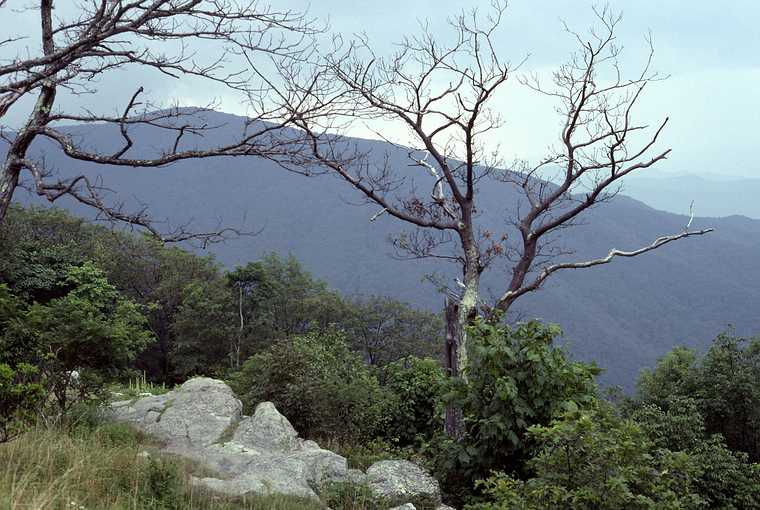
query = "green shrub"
x=677 y=426
x=726 y=479
x=723 y=478
x=591 y=458
x=385 y=330
x=117 y=435
x=724 y=383
x=728 y=392
x=75 y=341
x=673 y=376
x=417 y=385
x=163 y=485
x=361 y=455
x=515 y=379
x=203 y=329
x=20 y=397
x=319 y=384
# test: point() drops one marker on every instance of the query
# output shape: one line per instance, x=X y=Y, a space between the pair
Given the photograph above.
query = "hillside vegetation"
x=86 y=313
x=84 y=467
x=624 y=316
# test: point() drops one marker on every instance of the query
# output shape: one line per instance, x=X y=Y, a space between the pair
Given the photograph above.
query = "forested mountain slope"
x=624 y=315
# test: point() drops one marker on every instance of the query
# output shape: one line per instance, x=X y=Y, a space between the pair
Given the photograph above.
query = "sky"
x=710 y=50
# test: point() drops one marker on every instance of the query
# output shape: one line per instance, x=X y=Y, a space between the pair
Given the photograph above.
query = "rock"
x=309 y=445
x=356 y=477
x=267 y=429
x=263 y=475
x=243 y=469
x=260 y=454
x=273 y=484
x=321 y=466
x=136 y=411
x=197 y=413
x=409 y=506
x=401 y=481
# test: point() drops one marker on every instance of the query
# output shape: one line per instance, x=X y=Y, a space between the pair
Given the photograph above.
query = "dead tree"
x=160 y=35
x=441 y=93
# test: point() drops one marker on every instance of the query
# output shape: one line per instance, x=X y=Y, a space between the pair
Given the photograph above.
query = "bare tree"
x=441 y=93
x=160 y=35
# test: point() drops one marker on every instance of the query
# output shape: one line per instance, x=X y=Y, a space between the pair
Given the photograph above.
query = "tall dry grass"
x=103 y=468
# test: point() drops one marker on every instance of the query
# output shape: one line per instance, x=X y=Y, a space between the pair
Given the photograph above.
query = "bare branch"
x=510 y=296
x=162 y=36
x=441 y=94
x=88 y=193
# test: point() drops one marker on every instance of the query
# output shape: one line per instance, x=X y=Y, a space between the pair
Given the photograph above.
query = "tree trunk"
x=14 y=159
x=8 y=183
x=454 y=419
x=237 y=346
x=459 y=314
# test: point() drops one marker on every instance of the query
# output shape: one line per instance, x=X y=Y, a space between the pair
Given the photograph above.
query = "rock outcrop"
x=195 y=415
x=401 y=481
x=202 y=420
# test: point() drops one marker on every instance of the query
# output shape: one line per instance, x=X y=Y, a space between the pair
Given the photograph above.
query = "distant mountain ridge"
x=712 y=196
x=624 y=315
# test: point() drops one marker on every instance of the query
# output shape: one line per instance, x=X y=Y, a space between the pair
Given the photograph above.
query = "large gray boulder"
x=399 y=482
x=196 y=414
x=262 y=454
x=267 y=429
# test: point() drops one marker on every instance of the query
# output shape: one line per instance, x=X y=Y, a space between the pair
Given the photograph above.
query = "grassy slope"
x=101 y=469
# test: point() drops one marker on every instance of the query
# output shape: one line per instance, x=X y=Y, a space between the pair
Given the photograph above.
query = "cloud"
x=710 y=49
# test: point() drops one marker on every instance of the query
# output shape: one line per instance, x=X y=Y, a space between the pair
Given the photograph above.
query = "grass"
x=100 y=469
x=137 y=387
x=104 y=466
x=348 y=496
x=363 y=455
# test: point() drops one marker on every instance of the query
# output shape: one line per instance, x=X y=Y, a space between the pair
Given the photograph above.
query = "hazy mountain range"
x=715 y=196
x=623 y=315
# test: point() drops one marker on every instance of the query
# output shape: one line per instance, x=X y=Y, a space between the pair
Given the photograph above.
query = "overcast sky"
x=711 y=50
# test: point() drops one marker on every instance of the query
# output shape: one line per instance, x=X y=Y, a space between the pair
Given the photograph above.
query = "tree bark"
x=14 y=159
x=454 y=419
x=8 y=183
x=241 y=330
x=459 y=314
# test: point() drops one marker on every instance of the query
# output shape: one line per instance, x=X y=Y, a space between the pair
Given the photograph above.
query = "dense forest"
x=86 y=311
x=200 y=319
